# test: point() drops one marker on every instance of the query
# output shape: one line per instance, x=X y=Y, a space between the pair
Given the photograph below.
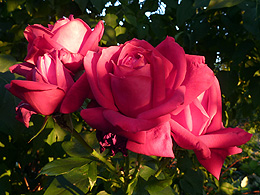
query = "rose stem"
x=163 y=164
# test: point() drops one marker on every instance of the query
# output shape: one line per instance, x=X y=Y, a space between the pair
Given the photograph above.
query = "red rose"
x=44 y=89
x=72 y=37
x=199 y=127
x=137 y=87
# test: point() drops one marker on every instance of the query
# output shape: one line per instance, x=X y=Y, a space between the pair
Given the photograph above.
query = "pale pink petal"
x=71 y=35
x=91 y=42
x=212 y=102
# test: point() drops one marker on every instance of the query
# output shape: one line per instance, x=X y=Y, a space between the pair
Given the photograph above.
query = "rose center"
x=135 y=61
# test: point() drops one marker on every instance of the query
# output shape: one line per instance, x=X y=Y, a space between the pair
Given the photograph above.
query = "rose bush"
x=71 y=37
x=199 y=127
x=44 y=88
x=136 y=88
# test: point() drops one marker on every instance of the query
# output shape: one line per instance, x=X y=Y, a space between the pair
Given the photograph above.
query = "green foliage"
x=227 y=33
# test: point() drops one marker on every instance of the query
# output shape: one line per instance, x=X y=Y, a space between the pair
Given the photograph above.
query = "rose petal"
x=158 y=75
x=64 y=79
x=132 y=124
x=72 y=34
x=218 y=156
x=176 y=55
x=22 y=69
x=41 y=45
x=100 y=83
x=72 y=61
x=212 y=102
x=132 y=94
x=43 y=98
x=36 y=30
x=169 y=106
x=24 y=112
x=94 y=117
x=187 y=140
x=193 y=118
x=158 y=142
x=77 y=94
x=91 y=42
x=225 y=138
x=59 y=23
x=199 y=78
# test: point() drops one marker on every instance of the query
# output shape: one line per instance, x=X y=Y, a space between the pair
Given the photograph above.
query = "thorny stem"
x=127 y=166
x=137 y=168
x=163 y=163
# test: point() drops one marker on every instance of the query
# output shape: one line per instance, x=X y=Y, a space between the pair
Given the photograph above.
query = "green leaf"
x=166 y=191
x=217 y=4
x=82 y=4
x=8 y=125
x=184 y=163
x=254 y=91
x=103 y=193
x=74 y=182
x=57 y=134
x=47 y=118
x=92 y=173
x=142 y=31
x=250 y=17
x=155 y=185
x=63 y=166
x=227 y=188
x=109 y=36
x=140 y=187
x=199 y=3
x=146 y=172
x=6 y=61
x=111 y=20
x=99 y=5
x=228 y=82
x=242 y=50
x=120 y=30
x=5 y=184
x=74 y=148
x=192 y=181
x=184 y=11
x=131 y=19
x=13 y=4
